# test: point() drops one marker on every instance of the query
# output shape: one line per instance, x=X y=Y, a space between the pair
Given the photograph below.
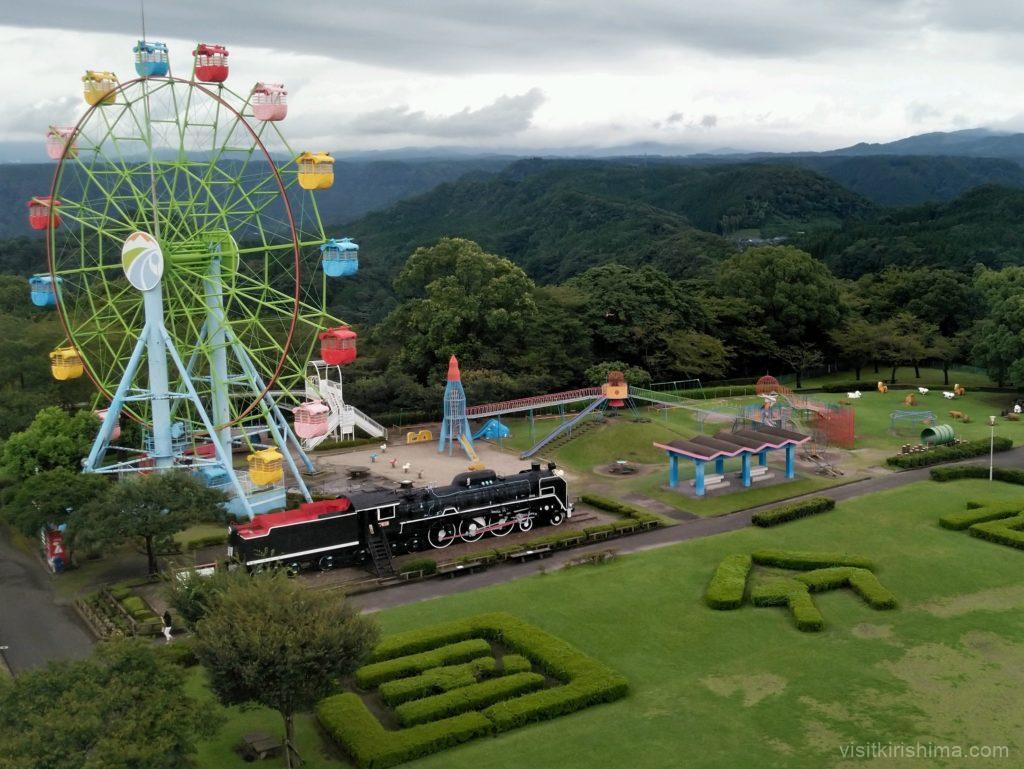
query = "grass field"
x=719 y=690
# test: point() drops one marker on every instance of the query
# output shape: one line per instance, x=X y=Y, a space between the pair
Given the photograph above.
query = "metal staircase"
x=380 y=553
x=343 y=418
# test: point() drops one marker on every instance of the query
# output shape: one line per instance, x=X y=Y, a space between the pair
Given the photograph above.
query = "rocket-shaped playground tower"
x=455 y=425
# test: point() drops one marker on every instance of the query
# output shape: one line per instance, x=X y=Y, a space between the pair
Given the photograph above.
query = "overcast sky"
x=538 y=74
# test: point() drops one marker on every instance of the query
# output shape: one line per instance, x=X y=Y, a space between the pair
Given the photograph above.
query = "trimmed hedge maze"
x=818 y=572
x=1001 y=523
x=427 y=690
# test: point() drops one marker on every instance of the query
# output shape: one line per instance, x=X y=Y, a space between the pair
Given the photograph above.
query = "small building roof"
x=730 y=444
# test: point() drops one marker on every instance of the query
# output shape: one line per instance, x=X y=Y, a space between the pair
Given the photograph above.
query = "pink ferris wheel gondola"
x=269 y=101
x=310 y=419
x=57 y=138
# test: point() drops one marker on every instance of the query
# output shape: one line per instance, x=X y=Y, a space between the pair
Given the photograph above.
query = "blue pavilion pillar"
x=746 y=467
x=719 y=465
x=762 y=457
x=699 y=476
x=673 y=470
x=790 y=469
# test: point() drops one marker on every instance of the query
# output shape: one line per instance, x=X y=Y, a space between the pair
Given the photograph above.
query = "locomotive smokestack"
x=535 y=466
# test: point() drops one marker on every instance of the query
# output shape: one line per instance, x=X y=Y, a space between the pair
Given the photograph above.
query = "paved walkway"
x=703 y=527
x=33 y=626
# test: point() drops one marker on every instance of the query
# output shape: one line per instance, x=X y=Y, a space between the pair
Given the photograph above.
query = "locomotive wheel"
x=441 y=535
x=556 y=518
x=326 y=563
x=525 y=523
x=471 y=529
x=503 y=525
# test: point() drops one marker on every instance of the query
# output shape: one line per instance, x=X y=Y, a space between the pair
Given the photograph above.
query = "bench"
x=529 y=555
x=462 y=568
x=258 y=746
x=713 y=480
x=758 y=474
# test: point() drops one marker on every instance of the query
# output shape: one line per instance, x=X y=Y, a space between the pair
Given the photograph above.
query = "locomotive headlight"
x=559 y=472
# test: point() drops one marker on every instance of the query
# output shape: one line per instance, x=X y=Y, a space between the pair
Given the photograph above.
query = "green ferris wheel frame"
x=178 y=159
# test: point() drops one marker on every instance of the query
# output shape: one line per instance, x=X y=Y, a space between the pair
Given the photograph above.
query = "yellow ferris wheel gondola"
x=66 y=363
x=266 y=467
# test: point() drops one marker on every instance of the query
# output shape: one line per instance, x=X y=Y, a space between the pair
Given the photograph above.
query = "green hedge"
x=436 y=680
x=347 y=720
x=426 y=565
x=729 y=583
x=991 y=512
x=136 y=606
x=516 y=663
x=620 y=508
x=349 y=443
x=849 y=387
x=863 y=582
x=120 y=593
x=584 y=682
x=802 y=560
x=939 y=454
x=782 y=591
x=791 y=512
x=1007 y=531
x=465 y=698
x=182 y=653
x=377 y=673
x=209 y=541
x=1004 y=474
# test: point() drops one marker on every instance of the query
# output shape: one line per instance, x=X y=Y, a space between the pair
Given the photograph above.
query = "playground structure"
x=455 y=422
x=728 y=444
x=828 y=424
x=172 y=183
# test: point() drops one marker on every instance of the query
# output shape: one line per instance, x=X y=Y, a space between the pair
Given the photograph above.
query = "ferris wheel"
x=188 y=265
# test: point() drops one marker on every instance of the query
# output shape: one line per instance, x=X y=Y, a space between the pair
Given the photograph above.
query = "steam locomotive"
x=332 y=532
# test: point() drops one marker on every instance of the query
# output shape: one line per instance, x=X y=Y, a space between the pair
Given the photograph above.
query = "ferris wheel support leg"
x=99 y=445
x=223 y=452
x=216 y=323
x=272 y=414
x=159 y=387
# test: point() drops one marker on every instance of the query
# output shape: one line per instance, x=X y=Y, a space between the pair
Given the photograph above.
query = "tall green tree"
x=857 y=342
x=146 y=508
x=271 y=641
x=998 y=338
x=458 y=299
x=801 y=358
x=51 y=498
x=125 y=706
x=54 y=439
x=786 y=291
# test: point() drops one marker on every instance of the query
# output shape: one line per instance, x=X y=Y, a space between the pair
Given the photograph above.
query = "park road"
x=33 y=626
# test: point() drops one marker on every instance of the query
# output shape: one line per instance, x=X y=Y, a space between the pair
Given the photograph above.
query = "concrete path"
x=702 y=527
x=33 y=626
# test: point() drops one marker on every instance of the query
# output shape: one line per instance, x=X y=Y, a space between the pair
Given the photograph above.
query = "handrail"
x=524 y=404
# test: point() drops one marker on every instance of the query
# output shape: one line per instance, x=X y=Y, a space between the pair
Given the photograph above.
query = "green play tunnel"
x=938 y=435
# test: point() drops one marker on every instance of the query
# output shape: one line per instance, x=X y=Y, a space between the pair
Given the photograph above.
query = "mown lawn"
x=720 y=690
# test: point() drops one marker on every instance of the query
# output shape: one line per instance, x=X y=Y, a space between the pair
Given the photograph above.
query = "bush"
x=861 y=581
x=347 y=720
x=782 y=591
x=849 y=387
x=515 y=663
x=967 y=518
x=1007 y=531
x=939 y=454
x=377 y=673
x=135 y=605
x=471 y=697
x=209 y=541
x=349 y=443
x=801 y=560
x=437 y=680
x=619 y=508
x=426 y=565
x=1004 y=474
x=182 y=653
x=729 y=583
x=791 y=512
x=120 y=593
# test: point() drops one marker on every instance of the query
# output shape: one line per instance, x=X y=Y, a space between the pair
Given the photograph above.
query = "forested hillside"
x=981 y=227
x=361 y=186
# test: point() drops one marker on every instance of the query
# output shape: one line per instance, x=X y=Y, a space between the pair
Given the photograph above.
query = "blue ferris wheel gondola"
x=339 y=258
x=41 y=290
x=151 y=59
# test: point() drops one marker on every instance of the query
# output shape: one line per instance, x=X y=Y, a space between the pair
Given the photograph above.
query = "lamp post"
x=991 y=445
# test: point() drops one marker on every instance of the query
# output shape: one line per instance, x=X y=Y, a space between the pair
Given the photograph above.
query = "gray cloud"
x=919 y=112
x=504 y=116
x=709 y=121
x=447 y=35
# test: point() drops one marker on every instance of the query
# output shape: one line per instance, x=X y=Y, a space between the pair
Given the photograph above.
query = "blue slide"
x=492 y=430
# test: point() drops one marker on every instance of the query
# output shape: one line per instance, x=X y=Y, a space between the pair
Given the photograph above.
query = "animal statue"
x=854 y=395
x=883 y=387
x=957 y=415
x=922 y=390
x=958 y=390
x=948 y=395
x=910 y=400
